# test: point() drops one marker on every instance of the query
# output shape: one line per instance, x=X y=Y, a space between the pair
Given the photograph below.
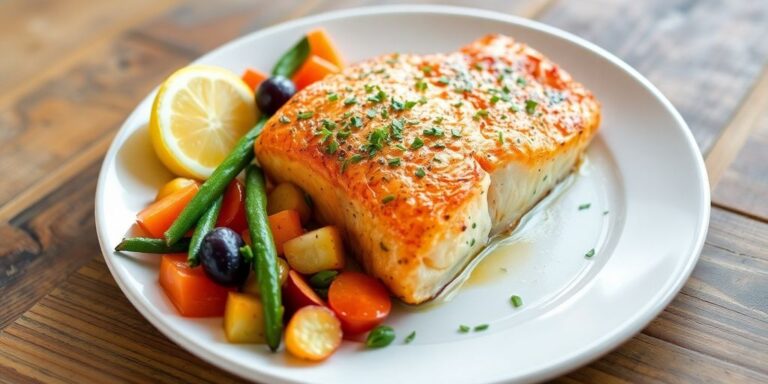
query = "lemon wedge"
x=198 y=115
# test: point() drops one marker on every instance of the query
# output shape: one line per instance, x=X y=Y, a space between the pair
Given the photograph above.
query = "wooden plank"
x=716 y=330
x=41 y=131
x=735 y=135
x=744 y=185
x=703 y=55
x=200 y=26
x=49 y=240
x=34 y=35
x=87 y=331
x=42 y=39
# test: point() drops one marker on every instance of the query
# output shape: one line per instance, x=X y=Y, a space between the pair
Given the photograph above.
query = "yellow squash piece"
x=244 y=319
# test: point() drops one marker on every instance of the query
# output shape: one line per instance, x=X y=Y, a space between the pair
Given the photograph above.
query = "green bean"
x=205 y=225
x=214 y=187
x=292 y=60
x=149 y=245
x=264 y=254
x=380 y=337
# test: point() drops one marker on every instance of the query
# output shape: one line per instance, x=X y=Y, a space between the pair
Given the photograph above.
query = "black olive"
x=273 y=93
x=221 y=258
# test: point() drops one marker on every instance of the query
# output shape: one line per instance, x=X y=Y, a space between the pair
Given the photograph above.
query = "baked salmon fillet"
x=419 y=159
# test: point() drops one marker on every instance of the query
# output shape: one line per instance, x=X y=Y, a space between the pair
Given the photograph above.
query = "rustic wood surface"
x=72 y=70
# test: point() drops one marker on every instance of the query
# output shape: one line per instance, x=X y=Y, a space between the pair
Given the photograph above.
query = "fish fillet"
x=419 y=159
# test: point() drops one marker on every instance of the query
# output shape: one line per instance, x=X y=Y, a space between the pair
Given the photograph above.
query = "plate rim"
x=578 y=358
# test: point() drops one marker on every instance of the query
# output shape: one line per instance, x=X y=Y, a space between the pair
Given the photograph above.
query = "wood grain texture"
x=41 y=131
x=703 y=55
x=36 y=35
x=744 y=185
x=64 y=319
x=199 y=26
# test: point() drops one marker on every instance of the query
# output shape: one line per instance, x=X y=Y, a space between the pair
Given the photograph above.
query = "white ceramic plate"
x=645 y=181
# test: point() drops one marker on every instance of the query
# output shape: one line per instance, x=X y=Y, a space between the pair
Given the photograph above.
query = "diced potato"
x=312 y=252
x=251 y=285
x=288 y=196
x=244 y=319
x=313 y=333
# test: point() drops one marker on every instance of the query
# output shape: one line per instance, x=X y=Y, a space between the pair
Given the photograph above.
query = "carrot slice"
x=158 y=216
x=314 y=69
x=285 y=225
x=321 y=44
x=254 y=77
x=360 y=301
x=191 y=291
x=313 y=333
x=232 y=212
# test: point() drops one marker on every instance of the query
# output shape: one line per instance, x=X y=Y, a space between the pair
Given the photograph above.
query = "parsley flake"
x=350 y=101
x=417 y=143
x=305 y=115
x=332 y=96
x=590 y=253
x=516 y=301
x=388 y=199
x=584 y=206
x=434 y=131
x=464 y=328
x=481 y=327
x=420 y=172
x=443 y=80
x=410 y=337
x=394 y=162
x=530 y=106
x=285 y=119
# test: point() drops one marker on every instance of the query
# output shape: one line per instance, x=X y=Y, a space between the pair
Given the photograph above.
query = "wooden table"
x=71 y=71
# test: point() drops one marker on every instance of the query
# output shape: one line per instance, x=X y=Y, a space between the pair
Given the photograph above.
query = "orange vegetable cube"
x=320 y=44
x=158 y=216
x=191 y=291
x=314 y=69
x=254 y=77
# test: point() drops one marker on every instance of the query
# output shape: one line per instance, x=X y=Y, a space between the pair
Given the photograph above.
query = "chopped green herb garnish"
x=378 y=97
x=421 y=85
x=464 y=328
x=495 y=99
x=458 y=104
x=401 y=147
x=472 y=243
x=397 y=105
x=590 y=253
x=605 y=213
x=434 y=131
x=388 y=199
x=426 y=69
x=443 y=80
x=481 y=327
x=325 y=133
x=380 y=337
x=354 y=159
x=332 y=147
x=516 y=301
x=329 y=124
x=521 y=81
x=376 y=140
x=333 y=96
x=514 y=108
x=456 y=133
x=368 y=88
x=584 y=206
x=530 y=106
x=305 y=115
x=480 y=113
x=341 y=135
x=394 y=162
x=371 y=113
x=417 y=143
x=410 y=337
x=410 y=104
x=420 y=172
x=356 y=121
x=474 y=225
x=438 y=120
x=422 y=100
x=501 y=138
x=284 y=119
x=396 y=129
x=350 y=101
